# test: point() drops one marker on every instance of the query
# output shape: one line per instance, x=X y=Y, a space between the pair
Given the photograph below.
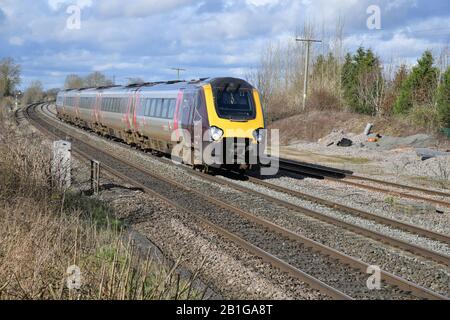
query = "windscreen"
x=234 y=102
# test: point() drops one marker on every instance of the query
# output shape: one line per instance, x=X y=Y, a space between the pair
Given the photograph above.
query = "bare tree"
x=73 y=81
x=135 y=80
x=97 y=79
x=34 y=92
x=9 y=76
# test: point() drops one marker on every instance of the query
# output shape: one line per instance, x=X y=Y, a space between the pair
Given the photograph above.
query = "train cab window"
x=235 y=103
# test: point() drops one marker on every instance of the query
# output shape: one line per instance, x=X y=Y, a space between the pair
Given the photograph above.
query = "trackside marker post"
x=95 y=176
x=61 y=164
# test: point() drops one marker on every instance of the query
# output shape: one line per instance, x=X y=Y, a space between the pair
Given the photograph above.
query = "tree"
x=97 y=79
x=51 y=94
x=34 y=93
x=73 y=81
x=362 y=82
x=393 y=89
x=420 y=86
x=135 y=81
x=9 y=76
x=443 y=100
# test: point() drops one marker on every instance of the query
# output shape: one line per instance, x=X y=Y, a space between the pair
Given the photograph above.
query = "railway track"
x=348 y=178
x=259 y=236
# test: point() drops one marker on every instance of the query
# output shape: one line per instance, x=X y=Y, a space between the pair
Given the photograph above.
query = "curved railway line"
x=348 y=178
x=262 y=237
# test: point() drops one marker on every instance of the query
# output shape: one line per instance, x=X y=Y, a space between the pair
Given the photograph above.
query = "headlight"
x=216 y=133
x=259 y=134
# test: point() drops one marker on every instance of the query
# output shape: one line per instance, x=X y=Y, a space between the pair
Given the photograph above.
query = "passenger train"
x=202 y=121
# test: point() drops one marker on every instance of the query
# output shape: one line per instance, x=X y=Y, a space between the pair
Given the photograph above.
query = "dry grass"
x=43 y=232
x=314 y=125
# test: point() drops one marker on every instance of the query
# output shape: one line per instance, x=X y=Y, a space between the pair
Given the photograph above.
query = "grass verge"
x=56 y=245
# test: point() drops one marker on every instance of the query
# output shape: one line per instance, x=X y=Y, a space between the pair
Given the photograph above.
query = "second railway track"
x=345 y=177
x=260 y=236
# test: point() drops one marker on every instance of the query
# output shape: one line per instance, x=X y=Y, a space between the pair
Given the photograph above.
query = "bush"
x=443 y=100
x=420 y=86
x=322 y=99
x=425 y=116
x=43 y=232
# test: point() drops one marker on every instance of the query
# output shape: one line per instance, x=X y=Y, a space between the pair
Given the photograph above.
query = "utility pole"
x=178 y=71
x=305 y=85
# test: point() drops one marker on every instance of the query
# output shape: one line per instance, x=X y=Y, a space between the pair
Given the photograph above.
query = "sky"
x=145 y=38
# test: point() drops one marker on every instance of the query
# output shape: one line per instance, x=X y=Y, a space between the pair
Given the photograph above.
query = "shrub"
x=443 y=100
x=425 y=116
x=43 y=232
x=420 y=86
x=322 y=99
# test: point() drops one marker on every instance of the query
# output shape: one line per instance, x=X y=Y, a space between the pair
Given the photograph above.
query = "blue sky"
x=144 y=38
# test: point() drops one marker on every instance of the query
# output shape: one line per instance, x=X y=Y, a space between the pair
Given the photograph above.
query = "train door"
x=97 y=108
x=129 y=114
x=185 y=112
x=77 y=106
x=183 y=125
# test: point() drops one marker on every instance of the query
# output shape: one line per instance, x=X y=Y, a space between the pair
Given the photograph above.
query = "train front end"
x=236 y=124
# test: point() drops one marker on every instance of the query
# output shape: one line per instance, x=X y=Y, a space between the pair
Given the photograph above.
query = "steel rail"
x=356 y=212
x=348 y=260
x=265 y=256
x=341 y=176
x=416 y=250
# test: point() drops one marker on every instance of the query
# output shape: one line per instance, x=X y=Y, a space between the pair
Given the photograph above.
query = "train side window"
x=171 y=113
x=147 y=107
x=158 y=108
x=142 y=106
x=143 y=111
x=153 y=103
x=165 y=108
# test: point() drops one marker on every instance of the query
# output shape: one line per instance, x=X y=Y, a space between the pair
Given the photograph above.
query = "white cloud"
x=16 y=41
x=208 y=37
x=139 y=8
x=56 y=5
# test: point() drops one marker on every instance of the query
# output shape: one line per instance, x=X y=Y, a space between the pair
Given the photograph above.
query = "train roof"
x=172 y=85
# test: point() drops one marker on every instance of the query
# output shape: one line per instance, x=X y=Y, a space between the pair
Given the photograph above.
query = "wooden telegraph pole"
x=305 y=85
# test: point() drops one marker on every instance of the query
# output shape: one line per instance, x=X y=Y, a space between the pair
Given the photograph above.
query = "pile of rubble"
x=375 y=141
